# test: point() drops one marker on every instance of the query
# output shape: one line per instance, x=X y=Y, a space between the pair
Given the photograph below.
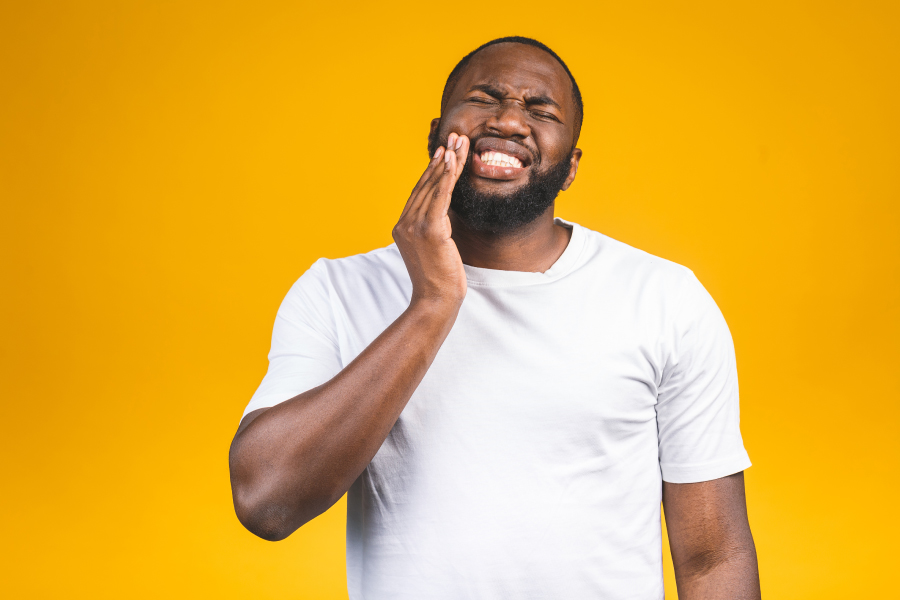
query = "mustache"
x=434 y=142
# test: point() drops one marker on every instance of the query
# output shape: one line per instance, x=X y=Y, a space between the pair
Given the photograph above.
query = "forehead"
x=522 y=69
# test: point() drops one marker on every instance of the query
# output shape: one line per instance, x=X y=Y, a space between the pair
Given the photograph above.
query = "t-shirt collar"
x=481 y=277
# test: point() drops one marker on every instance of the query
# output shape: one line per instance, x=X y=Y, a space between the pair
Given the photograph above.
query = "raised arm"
x=712 y=547
x=291 y=462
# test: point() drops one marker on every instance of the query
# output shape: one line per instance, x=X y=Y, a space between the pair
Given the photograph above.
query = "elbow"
x=259 y=512
x=271 y=519
x=266 y=522
x=256 y=499
x=702 y=563
x=271 y=503
x=264 y=518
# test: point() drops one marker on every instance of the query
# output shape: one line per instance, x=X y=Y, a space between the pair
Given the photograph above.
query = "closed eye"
x=545 y=115
x=536 y=113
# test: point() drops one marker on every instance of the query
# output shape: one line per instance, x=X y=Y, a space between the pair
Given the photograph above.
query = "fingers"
x=440 y=197
x=461 y=147
x=434 y=168
x=431 y=195
x=455 y=158
x=424 y=192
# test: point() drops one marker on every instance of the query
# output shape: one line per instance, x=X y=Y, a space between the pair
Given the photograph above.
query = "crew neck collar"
x=481 y=277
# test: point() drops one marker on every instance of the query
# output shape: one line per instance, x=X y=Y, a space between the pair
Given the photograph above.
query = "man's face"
x=515 y=104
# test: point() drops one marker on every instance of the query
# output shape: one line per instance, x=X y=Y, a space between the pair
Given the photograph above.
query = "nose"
x=509 y=121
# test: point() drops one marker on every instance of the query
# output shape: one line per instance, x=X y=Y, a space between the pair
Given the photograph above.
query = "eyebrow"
x=497 y=92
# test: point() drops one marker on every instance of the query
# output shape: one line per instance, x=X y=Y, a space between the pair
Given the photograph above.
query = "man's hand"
x=423 y=231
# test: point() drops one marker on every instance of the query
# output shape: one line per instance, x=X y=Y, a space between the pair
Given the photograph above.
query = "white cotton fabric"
x=528 y=463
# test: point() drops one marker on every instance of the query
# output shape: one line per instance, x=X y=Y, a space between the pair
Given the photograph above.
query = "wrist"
x=435 y=308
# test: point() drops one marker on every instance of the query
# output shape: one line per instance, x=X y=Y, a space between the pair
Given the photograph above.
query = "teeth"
x=498 y=159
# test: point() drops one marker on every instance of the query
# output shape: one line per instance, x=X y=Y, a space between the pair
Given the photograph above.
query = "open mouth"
x=496 y=158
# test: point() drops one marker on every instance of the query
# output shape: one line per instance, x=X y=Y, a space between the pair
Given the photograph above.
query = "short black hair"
x=457 y=71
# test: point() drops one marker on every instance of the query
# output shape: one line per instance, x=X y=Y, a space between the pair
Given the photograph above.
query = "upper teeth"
x=498 y=159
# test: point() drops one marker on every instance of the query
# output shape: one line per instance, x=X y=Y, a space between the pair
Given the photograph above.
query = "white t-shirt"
x=528 y=463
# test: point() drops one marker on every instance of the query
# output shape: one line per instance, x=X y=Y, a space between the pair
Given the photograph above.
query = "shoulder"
x=381 y=265
x=371 y=278
x=377 y=263
x=386 y=259
x=633 y=265
x=665 y=293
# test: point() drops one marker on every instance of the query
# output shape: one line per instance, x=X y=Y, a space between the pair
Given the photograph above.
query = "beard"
x=498 y=213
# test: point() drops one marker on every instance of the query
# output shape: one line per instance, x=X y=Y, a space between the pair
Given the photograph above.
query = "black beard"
x=496 y=213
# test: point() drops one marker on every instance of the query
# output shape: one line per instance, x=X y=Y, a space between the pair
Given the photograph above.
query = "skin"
x=291 y=462
x=712 y=548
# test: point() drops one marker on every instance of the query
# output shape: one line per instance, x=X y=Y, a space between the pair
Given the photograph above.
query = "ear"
x=573 y=168
x=432 y=136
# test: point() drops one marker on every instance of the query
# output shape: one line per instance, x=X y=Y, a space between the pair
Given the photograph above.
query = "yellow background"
x=168 y=169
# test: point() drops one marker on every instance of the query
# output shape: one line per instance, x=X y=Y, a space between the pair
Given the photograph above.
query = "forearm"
x=297 y=458
x=294 y=460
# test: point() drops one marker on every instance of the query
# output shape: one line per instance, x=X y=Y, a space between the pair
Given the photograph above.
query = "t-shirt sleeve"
x=698 y=416
x=305 y=351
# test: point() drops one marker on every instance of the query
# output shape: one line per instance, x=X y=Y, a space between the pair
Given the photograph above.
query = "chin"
x=492 y=187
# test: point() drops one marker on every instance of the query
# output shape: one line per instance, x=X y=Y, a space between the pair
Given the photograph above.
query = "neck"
x=532 y=248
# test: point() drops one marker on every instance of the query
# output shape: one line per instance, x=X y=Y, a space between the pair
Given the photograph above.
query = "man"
x=505 y=397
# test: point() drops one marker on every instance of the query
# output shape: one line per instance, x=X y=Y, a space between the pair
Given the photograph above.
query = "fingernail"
x=447 y=157
x=438 y=151
x=459 y=142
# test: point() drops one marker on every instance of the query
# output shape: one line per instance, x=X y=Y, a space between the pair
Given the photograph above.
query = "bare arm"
x=291 y=462
x=709 y=534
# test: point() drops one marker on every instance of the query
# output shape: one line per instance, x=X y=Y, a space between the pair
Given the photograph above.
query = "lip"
x=493 y=172
x=506 y=147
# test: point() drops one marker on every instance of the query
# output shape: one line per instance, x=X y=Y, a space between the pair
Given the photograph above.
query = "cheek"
x=464 y=121
x=551 y=145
